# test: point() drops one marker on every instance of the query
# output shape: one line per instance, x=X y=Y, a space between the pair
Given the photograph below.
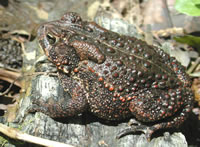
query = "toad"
x=113 y=76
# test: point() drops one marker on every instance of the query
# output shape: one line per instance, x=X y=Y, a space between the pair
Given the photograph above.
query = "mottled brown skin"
x=114 y=76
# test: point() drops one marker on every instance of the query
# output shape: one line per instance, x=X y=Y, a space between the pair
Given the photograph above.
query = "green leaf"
x=190 y=40
x=196 y=1
x=189 y=7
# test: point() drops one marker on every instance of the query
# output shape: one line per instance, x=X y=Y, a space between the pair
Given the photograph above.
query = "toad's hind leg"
x=168 y=120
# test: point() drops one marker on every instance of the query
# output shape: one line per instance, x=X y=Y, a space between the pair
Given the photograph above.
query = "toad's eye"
x=52 y=39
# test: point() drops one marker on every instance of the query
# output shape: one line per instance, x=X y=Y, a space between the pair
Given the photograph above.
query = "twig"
x=16 y=79
x=196 y=63
x=9 y=76
x=167 y=13
x=8 y=89
x=15 y=134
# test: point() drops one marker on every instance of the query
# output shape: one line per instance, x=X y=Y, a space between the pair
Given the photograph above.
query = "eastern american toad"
x=113 y=76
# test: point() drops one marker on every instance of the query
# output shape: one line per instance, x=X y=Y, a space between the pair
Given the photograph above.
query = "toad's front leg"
x=63 y=107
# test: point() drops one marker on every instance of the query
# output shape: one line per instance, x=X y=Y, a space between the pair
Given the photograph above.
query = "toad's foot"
x=148 y=131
